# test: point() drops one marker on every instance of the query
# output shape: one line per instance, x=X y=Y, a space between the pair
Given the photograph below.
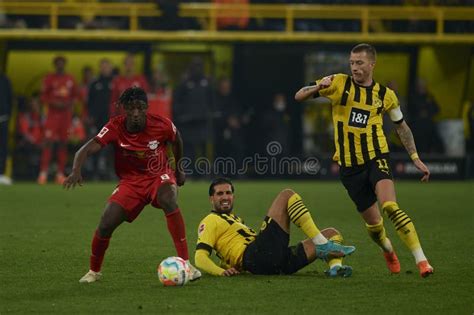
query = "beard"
x=221 y=210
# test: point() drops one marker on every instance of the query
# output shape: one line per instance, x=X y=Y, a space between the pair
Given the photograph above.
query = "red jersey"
x=120 y=84
x=59 y=88
x=29 y=127
x=139 y=155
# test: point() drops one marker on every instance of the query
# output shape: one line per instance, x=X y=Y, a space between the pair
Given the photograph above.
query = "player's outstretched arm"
x=75 y=178
x=308 y=91
x=178 y=155
x=203 y=262
x=406 y=137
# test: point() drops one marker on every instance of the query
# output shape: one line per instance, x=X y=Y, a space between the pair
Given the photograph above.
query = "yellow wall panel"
x=445 y=69
x=393 y=67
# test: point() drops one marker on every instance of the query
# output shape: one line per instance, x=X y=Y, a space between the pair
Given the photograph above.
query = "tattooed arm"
x=406 y=137
x=307 y=91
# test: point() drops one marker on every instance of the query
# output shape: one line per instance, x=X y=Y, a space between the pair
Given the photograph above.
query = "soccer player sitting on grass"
x=241 y=249
x=140 y=140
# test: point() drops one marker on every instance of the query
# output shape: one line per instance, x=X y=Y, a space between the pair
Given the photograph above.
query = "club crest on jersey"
x=153 y=144
x=201 y=229
x=378 y=102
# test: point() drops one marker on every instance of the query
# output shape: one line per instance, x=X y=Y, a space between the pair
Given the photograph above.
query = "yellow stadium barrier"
x=208 y=13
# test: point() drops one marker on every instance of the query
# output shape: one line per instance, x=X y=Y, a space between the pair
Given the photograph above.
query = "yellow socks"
x=405 y=229
x=378 y=235
x=301 y=217
x=335 y=261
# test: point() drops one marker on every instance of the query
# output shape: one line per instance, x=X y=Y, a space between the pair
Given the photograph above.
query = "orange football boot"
x=42 y=178
x=393 y=263
x=60 y=178
x=425 y=268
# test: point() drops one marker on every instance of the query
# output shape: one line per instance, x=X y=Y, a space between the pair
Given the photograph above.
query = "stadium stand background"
x=266 y=48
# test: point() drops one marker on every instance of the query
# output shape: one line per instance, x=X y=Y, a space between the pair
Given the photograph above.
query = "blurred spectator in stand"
x=422 y=110
x=97 y=116
x=87 y=78
x=30 y=135
x=277 y=122
x=160 y=96
x=235 y=18
x=59 y=92
x=29 y=123
x=228 y=126
x=468 y=120
x=124 y=81
x=169 y=19
x=6 y=103
x=80 y=112
x=192 y=110
x=77 y=132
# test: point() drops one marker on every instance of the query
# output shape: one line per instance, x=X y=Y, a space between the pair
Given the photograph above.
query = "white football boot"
x=194 y=273
x=90 y=277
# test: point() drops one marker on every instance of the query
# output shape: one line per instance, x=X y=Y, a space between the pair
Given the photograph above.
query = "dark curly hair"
x=132 y=95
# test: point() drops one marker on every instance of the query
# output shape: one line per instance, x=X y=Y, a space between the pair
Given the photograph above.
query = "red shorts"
x=57 y=124
x=133 y=196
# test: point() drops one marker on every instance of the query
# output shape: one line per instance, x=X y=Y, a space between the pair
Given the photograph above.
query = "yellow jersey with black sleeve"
x=228 y=236
x=357 y=116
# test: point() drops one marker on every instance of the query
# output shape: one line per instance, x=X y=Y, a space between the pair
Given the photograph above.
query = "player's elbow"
x=299 y=97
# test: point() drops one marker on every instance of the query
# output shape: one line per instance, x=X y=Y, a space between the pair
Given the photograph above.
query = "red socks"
x=175 y=227
x=45 y=158
x=62 y=158
x=178 y=233
x=99 y=246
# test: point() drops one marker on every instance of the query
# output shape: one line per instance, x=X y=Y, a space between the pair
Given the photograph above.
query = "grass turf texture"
x=45 y=236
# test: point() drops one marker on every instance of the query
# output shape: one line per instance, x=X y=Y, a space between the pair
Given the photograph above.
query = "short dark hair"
x=369 y=49
x=58 y=59
x=132 y=95
x=219 y=181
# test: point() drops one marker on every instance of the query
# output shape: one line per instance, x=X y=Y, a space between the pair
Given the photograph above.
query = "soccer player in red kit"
x=122 y=82
x=59 y=91
x=146 y=177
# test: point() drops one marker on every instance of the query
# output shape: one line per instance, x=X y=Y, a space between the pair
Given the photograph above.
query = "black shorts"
x=269 y=253
x=360 y=180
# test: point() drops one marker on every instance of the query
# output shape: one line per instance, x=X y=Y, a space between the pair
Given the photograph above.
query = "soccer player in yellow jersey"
x=358 y=103
x=241 y=249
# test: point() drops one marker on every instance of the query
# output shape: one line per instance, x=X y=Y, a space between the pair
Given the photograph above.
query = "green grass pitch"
x=45 y=235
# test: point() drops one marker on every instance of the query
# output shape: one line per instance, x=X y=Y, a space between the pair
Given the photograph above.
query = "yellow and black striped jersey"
x=227 y=235
x=357 y=116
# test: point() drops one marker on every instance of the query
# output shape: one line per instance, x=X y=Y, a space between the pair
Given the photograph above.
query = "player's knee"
x=105 y=228
x=287 y=193
x=167 y=200
x=388 y=207
x=330 y=232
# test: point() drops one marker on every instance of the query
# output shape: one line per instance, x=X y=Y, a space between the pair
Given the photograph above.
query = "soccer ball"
x=173 y=271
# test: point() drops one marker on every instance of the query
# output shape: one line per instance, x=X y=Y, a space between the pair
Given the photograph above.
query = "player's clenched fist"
x=326 y=81
x=180 y=178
